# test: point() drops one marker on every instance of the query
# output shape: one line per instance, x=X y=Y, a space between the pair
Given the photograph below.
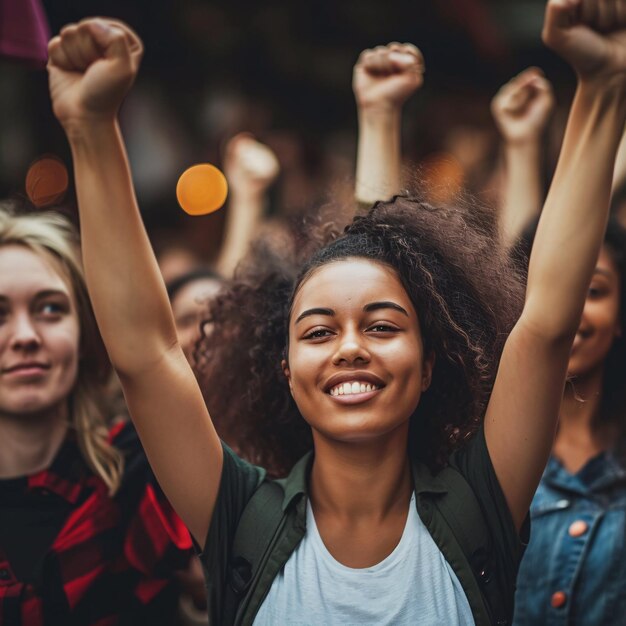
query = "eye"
x=383 y=328
x=52 y=310
x=595 y=292
x=317 y=333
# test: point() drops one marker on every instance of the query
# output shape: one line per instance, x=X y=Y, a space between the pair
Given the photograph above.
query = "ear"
x=287 y=372
x=427 y=370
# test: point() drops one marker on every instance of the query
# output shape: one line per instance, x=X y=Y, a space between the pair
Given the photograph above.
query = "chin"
x=29 y=405
x=357 y=428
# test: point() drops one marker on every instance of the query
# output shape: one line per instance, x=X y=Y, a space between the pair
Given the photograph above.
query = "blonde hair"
x=53 y=237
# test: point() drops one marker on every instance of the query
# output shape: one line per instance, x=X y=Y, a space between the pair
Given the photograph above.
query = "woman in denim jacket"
x=574 y=570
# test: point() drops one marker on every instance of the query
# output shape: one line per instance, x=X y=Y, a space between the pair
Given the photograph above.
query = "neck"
x=30 y=443
x=582 y=435
x=361 y=479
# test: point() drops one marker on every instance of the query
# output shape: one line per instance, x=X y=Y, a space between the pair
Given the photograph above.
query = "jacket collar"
x=296 y=483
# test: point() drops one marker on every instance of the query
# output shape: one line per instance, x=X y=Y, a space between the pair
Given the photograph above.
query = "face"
x=39 y=334
x=600 y=322
x=355 y=366
x=189 y=308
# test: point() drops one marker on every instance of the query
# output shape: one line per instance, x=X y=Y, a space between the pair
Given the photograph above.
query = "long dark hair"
x=465 y=290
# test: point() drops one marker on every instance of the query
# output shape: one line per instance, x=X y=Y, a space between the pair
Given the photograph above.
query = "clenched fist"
x=522 y=107
x=589 y=34
x=386 y=76
x=250 y=166
x=91 y=67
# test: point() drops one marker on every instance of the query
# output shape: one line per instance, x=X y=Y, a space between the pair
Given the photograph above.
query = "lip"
x=29 y=368
x=352 y=375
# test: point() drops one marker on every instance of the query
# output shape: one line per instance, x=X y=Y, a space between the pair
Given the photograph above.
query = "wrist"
x=80 y=129
x=247 y=199
x=384 y=114
x=602 y=86
x=529 y=146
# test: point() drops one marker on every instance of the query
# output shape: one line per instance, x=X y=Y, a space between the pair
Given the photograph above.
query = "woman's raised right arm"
x=91 y=66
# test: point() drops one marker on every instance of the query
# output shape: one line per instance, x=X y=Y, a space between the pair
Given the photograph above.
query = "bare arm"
x=523 y=410
x=619 y=174
x=250 y=168
x=383 y=79
x=92 y=65
x=521 y=110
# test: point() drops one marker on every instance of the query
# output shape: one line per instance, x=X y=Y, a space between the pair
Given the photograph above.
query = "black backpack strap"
x=462 y=511
x=257 y=527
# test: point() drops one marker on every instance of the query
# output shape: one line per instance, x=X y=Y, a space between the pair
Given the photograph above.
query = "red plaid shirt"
x=112 y=561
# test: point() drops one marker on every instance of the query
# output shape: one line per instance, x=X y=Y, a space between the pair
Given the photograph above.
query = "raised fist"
x=589 y=34
x=522 y=107
x=250 y=166
x=91 y=67
x=386 y=76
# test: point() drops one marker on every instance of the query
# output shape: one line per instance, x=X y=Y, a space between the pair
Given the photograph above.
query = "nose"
x=24 y=335
x=351 y=349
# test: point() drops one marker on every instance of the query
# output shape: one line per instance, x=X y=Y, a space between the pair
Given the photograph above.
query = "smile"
x=352 y=388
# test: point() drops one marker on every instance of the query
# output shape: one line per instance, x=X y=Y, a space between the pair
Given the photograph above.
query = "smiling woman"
x=394 y=272
x=583 y=485
x=76 y=499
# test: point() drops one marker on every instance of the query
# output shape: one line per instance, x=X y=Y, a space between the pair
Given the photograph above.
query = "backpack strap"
x=255 y=531
x=462 y=511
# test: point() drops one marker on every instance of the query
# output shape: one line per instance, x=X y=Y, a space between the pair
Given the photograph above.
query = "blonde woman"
x=86 y=536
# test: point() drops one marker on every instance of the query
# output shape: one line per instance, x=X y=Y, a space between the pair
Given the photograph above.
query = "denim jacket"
x=574 y=569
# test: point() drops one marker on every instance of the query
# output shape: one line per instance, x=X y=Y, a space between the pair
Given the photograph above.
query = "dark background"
x=281 y=70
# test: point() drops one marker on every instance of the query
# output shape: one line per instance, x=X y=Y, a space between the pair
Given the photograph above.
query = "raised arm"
x=383 y=79
x=250 y=168
x=524 y=406
x=521 y=110
x=91 y=67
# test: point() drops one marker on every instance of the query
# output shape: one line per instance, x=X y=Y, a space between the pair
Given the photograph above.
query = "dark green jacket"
x=471 y=464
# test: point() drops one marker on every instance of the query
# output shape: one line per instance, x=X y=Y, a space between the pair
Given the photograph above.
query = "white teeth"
x=345 y=389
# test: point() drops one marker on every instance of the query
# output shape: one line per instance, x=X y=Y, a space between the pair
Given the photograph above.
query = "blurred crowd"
x=87 y=535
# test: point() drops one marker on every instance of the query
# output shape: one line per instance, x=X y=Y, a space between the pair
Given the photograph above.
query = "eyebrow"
x=375 y=306
x=315 y=311
x=46 y=293
x=599 y=270
x=372 y=306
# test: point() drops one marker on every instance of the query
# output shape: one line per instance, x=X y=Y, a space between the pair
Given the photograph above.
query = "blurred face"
x=600 y=323
x=189 y=308
x=39 y=334
x=355 y=366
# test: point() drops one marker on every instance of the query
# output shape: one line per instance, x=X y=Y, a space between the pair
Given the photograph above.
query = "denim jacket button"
x=558 y=599
x=578 y=528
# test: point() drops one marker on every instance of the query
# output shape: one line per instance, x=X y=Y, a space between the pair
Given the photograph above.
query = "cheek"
x=65 y=347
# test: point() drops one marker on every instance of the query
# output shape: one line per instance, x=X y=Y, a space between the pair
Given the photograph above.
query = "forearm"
x=244 y=214
x=378 y=155
x=124 y=281
x=619 y=172
x=521 y=189
x=574 y=217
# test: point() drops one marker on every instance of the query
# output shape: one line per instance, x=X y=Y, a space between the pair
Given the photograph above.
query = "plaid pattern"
x=112 y=561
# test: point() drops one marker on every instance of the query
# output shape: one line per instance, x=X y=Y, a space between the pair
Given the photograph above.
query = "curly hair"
x=465 y=290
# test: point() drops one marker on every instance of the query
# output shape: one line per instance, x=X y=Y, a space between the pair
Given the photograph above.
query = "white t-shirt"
x=413 y=585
